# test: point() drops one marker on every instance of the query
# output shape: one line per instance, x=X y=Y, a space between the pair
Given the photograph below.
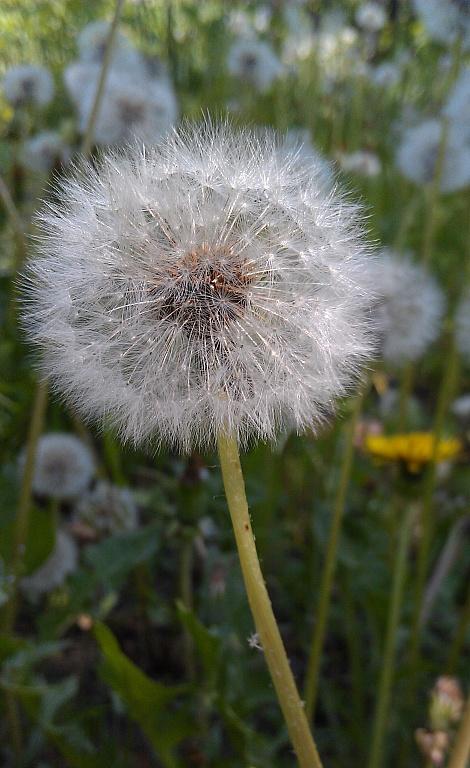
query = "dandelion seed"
x=28 y=84
x=254 y=642
x=52 y=573
x=64 y=467
x=203 y=285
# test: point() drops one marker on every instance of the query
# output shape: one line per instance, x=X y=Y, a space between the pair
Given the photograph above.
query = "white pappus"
x=255 y=62
x=207 y=284
x=28 y=84
x=52 y=573
x=409 y=310
x=64 y=466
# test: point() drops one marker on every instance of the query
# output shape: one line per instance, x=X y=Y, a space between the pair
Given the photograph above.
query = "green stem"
x=326 y=585
x=186 y=591
x=353 y=639
x=88 y=137
x=406 y=389
x=12 y=211
x=376 y=759
x=461 y=752
x=427 y=512
x=113 y=458
x=24 y=506
x=460 y=638
x=260 y=604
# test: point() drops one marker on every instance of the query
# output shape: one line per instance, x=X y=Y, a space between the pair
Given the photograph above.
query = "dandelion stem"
x=460 y=637
x=95 y=110
x=461 y=752
x=24 y=506
x=258 y=598
x=13 y=214
x=186 y=591
x=376 y=758
x=427 y=517
x=321 y=619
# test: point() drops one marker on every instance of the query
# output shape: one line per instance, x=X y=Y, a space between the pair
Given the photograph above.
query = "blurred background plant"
x=127 y=638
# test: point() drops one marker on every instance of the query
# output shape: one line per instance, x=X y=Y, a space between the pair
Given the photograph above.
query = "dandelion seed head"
x=206 y=284
x=461 y=407
x=444 y=20
x=418 y=155
x=385 y=75
x=255 y=62
x=457 y=108
x=44 y=151
x=108 y=509
x=52 y=573
x=371 y=17
x=92 y=42
x=462 y=326
x=131 y=110
x=363 y=162
x=64 y=466
x=409 y=309
x=27 y=84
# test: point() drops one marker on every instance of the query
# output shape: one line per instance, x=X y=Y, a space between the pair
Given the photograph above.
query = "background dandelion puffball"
x=208 y=283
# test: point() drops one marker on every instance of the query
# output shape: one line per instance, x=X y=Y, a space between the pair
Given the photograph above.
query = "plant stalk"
x=326 y=586
x=260 y=604
x=376 y=759
x=88 y=136
x=24 y=506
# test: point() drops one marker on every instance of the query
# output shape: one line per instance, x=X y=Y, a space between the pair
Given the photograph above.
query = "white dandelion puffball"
x=445 y=20
x=80 y=79
x=62 y=561
x=409 y=309
x=457 y=109
x=28 y=84
x=203 y=285
x=371 y=17
x=255 y=62
x=418 y=155
x=385 y=75
x=130 y=110
x=461 y=407
x=92 y=42
x=363 y=162
x=462 y=326
x=64 y=466
x=44 y=151
x=108 y=508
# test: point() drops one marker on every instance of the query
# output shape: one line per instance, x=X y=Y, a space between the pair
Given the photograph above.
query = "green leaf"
x=207 y=644
x=149 y=703
x=39 y=542
x=113 y=558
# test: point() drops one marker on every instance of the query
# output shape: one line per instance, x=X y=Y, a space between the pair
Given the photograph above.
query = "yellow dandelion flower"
x=415 y=449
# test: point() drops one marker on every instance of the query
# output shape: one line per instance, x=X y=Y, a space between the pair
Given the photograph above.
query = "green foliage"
x=150 y=704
